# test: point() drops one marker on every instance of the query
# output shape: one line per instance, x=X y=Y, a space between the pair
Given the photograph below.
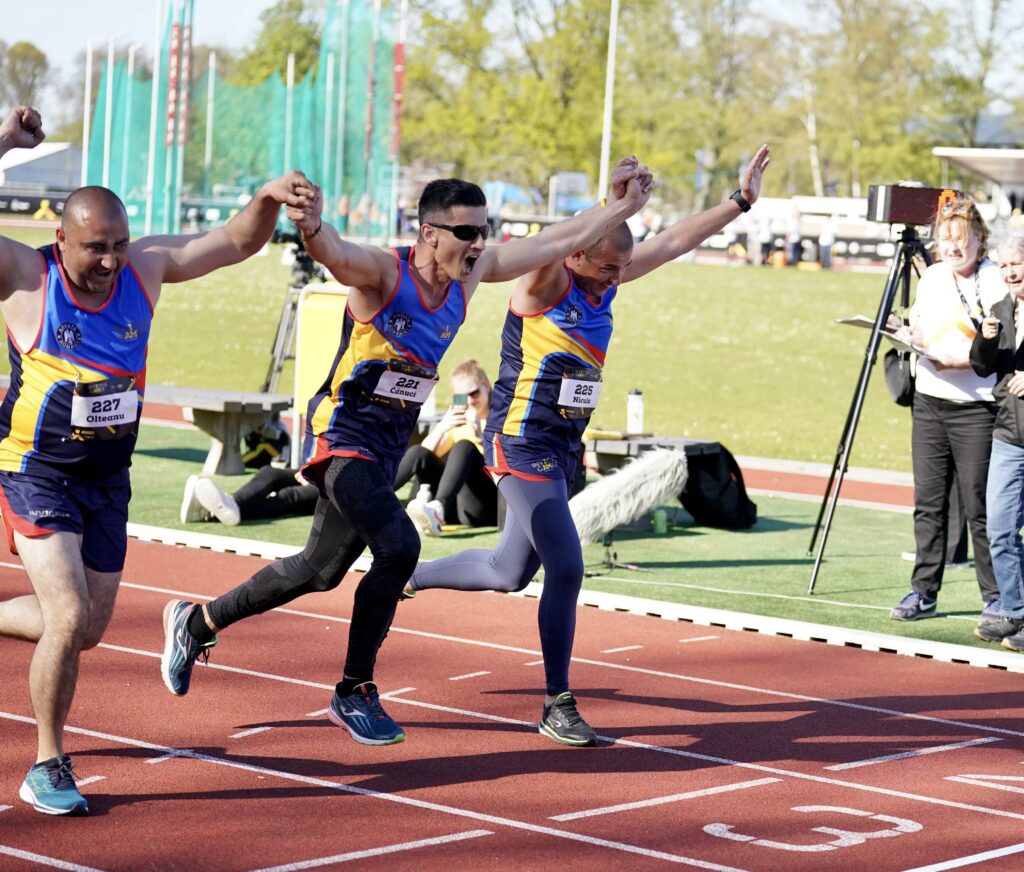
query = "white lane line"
x=662 y=800
x=42 y=860
x=6 y=807
x=995 y=782
x=468 y=675
x=251 y=732
x=7 y=565
x=165 y=757
x=970 y=861
x=624 y=648
x=623 y=667
x=906 y=755
x=376 y=852
x=92 y=779
x=398 y=799
x=699 y=639
x=391 y=694
x=317 y=714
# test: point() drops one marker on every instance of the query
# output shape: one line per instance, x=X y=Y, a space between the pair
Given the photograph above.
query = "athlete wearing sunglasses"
x=404 y=308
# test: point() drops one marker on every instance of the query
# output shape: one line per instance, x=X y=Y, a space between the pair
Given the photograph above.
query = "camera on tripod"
x=304 y=268
x=908 y=204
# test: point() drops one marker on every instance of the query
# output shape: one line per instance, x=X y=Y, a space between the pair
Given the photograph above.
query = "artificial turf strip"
x=763 y=571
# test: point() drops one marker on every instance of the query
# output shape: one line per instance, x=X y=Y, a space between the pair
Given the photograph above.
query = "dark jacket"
x=1002 y=357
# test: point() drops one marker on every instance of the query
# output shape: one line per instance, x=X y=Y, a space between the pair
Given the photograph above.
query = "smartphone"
x=460 y=400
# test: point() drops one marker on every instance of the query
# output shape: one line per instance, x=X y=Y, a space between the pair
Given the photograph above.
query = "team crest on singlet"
x=399 y=324
x=69 y=337
x=573 y=315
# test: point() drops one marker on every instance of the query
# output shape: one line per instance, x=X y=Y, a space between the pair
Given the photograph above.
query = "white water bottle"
x=634 y=412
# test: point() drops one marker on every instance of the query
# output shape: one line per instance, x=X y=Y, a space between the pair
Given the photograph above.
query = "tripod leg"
x=900 y=272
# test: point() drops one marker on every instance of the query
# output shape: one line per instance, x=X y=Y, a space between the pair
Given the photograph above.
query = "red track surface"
x=755 y=722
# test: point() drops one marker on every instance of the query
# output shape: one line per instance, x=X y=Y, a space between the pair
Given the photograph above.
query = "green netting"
x=336 y=128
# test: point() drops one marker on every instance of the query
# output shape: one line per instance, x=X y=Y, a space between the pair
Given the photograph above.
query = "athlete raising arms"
x=404 y=308
x=553 y=349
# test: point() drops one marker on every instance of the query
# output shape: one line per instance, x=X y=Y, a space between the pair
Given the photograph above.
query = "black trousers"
x=950 y=440
x=274 y=492
x=357 y=509
x=458 y=480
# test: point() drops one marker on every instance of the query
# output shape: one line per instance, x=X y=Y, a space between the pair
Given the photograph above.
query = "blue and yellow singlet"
x=76 y=392
x=548 y=383
x=384 y=369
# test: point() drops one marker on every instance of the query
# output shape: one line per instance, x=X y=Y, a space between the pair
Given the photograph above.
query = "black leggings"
x=458 y=480
x=274 y=492
x=357 y=509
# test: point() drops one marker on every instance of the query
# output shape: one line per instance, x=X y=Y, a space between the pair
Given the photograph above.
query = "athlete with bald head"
x=553 y=347
x=78 y=315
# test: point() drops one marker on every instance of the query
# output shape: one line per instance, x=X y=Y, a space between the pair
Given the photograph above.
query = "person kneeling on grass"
x=450 y=460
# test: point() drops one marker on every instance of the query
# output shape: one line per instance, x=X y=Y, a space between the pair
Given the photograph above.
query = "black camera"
x=304 y=268
x=908 y=204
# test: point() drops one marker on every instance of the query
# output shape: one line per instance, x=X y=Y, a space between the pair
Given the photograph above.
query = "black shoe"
x=562 y=722
x=998 y=629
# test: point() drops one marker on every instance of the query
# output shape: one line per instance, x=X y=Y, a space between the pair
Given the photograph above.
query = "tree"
x=23 y=69
x=287 y=27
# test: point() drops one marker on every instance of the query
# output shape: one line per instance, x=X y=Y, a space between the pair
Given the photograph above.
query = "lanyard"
x=977 y=294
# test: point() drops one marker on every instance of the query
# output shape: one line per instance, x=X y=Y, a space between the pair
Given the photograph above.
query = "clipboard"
x=896 y=342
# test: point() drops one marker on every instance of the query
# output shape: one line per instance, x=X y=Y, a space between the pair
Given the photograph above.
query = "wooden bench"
x=610 y=454
x=225 y=416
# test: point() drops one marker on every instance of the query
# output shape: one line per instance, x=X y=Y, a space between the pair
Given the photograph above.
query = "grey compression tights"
x=538 y=531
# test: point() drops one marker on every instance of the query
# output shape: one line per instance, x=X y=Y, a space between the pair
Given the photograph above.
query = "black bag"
x=899 y=376
x=715 y=494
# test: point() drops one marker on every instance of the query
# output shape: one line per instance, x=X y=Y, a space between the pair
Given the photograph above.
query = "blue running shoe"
x=364 y=717
x=181 y=650
x=993 y=611
x=50 y=788
x=913 y=606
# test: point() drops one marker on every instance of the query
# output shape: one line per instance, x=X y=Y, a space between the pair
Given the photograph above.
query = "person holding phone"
x=450 y=460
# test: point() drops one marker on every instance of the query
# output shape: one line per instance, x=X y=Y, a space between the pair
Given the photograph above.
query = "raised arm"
x=181 y=258
x=557 y=241
x=20 y=265
x=370 y=272
x=687 y=234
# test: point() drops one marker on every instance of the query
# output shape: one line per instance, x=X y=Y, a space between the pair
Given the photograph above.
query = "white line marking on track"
x=92 y=779
x=11 y=565
x=6 y=807
x=376 y=852
x=165 y=757
x=624 y=648
x=662 y=800
x=251 y=732
x=468 y=675
x=970 y=861
x=991 y=781
x=391 y=797
x=317 y=714
x=42 y=860
x=699 y=639
x=534 y=663
x=906 y=755
x=391 y=694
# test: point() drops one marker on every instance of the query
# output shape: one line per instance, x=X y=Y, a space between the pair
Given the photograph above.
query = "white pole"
x=184 y=91
x=108 y=121
x=153 y=115
x=289 y=107
x=208 y=151
x=339 y=150
x=86 y=118
x=126 y=139
x=325 y=168
x=609 y=99
x=395 y=223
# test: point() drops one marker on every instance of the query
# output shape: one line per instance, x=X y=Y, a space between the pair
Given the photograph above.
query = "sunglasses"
x=465 y=232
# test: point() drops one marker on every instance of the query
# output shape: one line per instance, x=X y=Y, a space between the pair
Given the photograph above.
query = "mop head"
x=651 y=480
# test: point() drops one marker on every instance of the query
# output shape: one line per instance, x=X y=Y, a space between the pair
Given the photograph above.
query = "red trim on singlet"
x=323 y=454
x=67 y=286
x=419 y=290
x=549 y=308
x=387 y=302
x=113 y=370
x=145 y=293
x=598 y=354
x=42 y=315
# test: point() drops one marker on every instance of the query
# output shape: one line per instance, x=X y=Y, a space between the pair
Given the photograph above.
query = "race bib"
x=404 y=385
x=580 y=390
x=105 y=407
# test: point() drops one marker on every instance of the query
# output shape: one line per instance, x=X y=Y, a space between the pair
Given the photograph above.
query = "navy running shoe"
x=364 y=717
x=50 y=788
x=563 y=722
x=181 y=650
x=913 y=606
x=998 y=629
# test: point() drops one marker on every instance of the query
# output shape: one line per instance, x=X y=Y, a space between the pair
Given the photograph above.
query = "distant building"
x=54 y=166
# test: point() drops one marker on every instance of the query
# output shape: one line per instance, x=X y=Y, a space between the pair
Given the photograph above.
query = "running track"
x=720 y=749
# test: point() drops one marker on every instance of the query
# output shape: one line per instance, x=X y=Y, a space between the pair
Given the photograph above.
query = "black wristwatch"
x=737 y=197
